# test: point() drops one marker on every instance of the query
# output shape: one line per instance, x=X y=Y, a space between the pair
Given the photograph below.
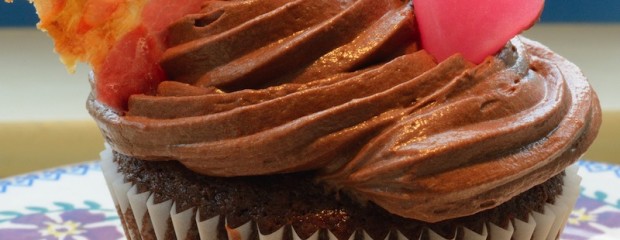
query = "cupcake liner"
x=524 y=230
x=161 y=220
x=314 y=236
x=182 y=221
x=242 y=232
x=135 y=201
x=207 y=230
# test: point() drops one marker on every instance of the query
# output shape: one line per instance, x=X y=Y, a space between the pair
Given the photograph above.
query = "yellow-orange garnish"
x=85 y=30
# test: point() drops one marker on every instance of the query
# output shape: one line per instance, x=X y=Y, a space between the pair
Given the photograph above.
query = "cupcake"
x=331 y=119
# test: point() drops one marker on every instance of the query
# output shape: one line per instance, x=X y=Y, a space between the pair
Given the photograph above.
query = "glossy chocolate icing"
x=273 y=86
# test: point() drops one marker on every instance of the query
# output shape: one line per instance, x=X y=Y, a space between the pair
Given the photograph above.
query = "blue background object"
x=21 y=13
x=593 y=11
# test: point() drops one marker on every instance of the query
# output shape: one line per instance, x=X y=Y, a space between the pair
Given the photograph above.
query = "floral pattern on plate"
x=66 y=222
x=73 y=203
x=593 y=219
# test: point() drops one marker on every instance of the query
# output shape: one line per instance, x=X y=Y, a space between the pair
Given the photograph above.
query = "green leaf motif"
x=38 y=209
x=10 y=213
x=111 y=218
x=65 y=206
x=601 y=196
x=92 y=205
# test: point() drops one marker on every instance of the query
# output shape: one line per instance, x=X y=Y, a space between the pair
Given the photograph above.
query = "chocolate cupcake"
x=278 y=119
x=164 y=200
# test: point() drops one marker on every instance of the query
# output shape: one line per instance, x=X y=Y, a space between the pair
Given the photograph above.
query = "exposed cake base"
x=163 y=200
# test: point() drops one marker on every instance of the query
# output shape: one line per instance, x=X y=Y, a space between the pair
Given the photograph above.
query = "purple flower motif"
x=69 y=225
x=591 y=218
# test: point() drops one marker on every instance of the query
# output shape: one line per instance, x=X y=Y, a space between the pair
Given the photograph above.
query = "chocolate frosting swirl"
x=340 y=87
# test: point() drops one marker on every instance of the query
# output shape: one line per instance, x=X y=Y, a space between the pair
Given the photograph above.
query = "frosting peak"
x=255 y=44
x=340 y=88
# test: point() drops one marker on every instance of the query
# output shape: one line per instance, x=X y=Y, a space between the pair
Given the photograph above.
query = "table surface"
x=72 y=202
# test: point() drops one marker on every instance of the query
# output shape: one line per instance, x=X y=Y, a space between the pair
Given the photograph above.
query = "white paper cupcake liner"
x=161 y=221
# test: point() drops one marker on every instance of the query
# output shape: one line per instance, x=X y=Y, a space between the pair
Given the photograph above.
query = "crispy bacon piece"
x=122 y=40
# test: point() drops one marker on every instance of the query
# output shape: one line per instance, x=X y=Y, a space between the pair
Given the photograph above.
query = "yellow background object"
x=606 y=147
x=28 y=146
